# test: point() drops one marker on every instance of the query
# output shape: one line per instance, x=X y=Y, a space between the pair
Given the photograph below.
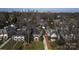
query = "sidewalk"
x=46 y=43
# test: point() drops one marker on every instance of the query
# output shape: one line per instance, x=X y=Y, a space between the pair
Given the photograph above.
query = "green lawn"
x=9 y=45
x=17 y=46
x=36 y=46
x=13 y=45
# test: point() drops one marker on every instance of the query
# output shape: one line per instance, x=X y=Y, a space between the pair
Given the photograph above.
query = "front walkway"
x=47 y=45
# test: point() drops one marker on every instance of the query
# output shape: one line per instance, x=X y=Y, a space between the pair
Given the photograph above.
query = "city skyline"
x=40 y=9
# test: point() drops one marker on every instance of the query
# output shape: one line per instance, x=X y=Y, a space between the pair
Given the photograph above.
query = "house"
x=18 y=37
x=42 y=22
x=36 y=37
x=50 y=31
x=56 y=22
x=11 y=30
x=3 y=34
x=53 y=37
x=52 y=34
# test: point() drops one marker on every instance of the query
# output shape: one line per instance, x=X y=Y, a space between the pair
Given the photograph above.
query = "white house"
x=36 y=37
x=18 y=37
x=3 y=34
x=53 y=37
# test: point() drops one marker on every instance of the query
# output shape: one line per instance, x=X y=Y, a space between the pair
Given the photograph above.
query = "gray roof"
x=0 y=30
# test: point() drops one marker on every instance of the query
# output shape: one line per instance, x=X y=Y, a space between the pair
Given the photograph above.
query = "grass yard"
x=9 y=45
x=53 y=45
x=36 y=46
x=17 y=46
x=13 y=45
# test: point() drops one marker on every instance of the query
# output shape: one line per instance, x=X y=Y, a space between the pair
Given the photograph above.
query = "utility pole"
x=28 y=31
x=28 y=36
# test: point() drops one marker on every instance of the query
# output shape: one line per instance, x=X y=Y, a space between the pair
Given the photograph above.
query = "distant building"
x=56 y=20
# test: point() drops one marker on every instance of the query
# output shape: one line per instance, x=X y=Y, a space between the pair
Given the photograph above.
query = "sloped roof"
x=54 y=35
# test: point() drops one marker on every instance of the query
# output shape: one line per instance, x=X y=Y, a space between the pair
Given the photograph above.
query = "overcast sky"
x=41 y=9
